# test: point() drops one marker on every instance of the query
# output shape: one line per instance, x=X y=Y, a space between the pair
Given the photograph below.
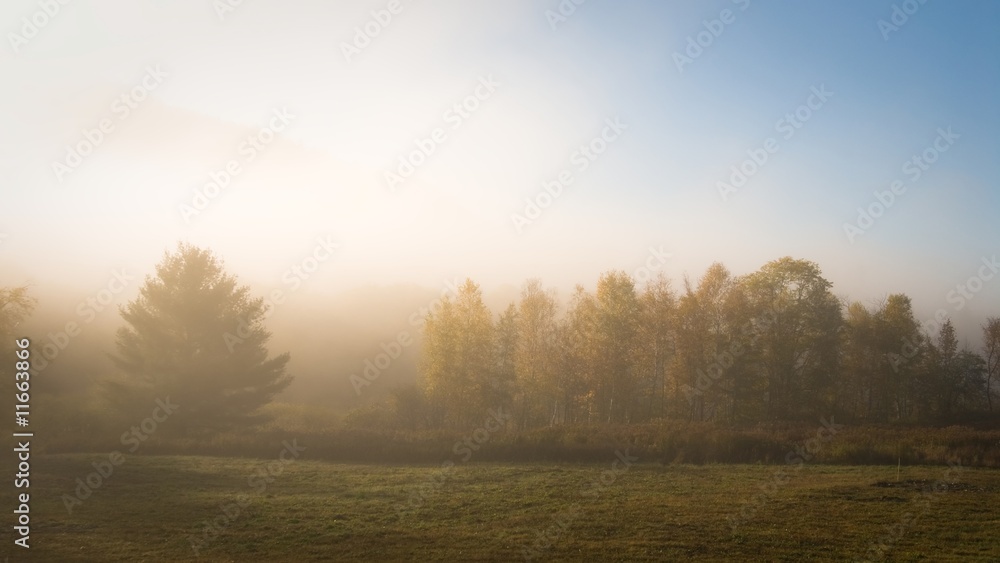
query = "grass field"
x=156 y=508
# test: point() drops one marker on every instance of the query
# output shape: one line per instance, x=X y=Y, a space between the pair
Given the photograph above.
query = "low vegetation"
x=662 y=441
x=163 y=508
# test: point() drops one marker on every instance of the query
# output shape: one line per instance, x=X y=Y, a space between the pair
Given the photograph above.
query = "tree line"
x=173 y=346
x=775 y=344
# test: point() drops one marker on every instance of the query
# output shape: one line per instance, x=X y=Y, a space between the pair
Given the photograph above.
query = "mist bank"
x=371 y=331
x=329 y=338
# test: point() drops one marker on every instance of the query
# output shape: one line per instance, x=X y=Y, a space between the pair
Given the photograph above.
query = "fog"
x=329 y=338
x=329 y=334
x=352 y=179
x=500 y=279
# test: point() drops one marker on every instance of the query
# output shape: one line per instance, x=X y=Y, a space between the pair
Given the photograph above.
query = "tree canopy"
x=775 y=344
x=194 y=335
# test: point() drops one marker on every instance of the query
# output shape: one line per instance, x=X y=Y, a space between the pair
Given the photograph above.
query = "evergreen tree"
x=195 y=337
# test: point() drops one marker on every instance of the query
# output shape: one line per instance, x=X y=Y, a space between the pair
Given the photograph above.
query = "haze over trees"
x=773 y=345
x=195 y=336
x=776 y=344
x=991 y=350
x=15 y=305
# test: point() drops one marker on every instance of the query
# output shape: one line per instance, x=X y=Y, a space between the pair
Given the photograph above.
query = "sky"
x=376 y=143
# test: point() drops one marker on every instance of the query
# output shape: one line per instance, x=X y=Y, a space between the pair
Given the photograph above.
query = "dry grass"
x=152 y=506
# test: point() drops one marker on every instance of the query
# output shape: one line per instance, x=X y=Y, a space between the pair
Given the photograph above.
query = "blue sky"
x=354 y=117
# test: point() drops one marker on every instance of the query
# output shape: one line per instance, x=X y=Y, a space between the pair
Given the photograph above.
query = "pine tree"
x=196 y=338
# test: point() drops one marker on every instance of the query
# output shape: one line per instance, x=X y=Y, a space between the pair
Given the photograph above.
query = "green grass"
x=320 y=511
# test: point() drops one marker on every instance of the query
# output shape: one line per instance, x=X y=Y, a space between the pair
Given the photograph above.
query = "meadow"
x=288 y=507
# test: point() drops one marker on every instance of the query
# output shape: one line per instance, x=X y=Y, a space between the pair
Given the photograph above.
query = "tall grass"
x=327 y=437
